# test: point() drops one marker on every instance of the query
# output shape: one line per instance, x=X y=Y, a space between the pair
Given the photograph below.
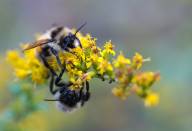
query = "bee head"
x=71 y=41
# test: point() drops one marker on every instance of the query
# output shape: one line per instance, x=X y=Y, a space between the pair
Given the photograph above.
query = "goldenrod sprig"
x=91 y=61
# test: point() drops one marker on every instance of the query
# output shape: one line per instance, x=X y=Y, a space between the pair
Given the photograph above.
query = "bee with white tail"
x=68 y=100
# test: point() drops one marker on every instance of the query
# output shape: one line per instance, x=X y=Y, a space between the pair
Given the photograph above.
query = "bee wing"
x=38 y=43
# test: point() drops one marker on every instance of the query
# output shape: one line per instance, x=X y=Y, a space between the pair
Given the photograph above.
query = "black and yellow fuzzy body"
x=52 y=42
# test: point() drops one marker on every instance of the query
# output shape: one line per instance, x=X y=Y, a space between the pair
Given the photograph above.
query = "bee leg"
x=81 y=96
x=111 y=80
x=59 y=83
x=51 y=86
x=58 y=79
x=68 y=50
x=55 y=53
x=63 y=84
x=87 y=93
x=43 y=58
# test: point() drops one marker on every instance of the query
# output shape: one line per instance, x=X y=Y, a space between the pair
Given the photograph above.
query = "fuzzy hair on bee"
x=68 y=100
x=54 y=40
x=63 y=107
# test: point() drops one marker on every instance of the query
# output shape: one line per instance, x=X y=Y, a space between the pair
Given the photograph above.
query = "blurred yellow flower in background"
x=146 y=79
x=120 y=92
x=137 y=61
x=121 y=61
x=35 y=121
x=28 y=65
x=152 y=99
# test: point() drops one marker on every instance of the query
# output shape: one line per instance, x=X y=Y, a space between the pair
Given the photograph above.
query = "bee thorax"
x=55 y=46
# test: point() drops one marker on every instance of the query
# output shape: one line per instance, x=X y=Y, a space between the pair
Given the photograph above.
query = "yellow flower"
x=27 y=66
x=88 y=64
x=137 y=61
x=12 y=56
x=70 y=61
x=108 y=49
x=95 y=58
x=73 y=74
x=146 y=79
x=120 y=92
x=104 y=66
x=39 y=75
x=121 y=61
x=79 y=53
x=21 y=73
x=87 y=41
x=77 y=84
x=81 y=79
x=95 y=50
x=152 y=99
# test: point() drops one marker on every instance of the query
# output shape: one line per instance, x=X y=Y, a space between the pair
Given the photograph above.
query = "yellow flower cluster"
x=27 y=66
x=91 y=61
x=143 y=82
x=131 y=80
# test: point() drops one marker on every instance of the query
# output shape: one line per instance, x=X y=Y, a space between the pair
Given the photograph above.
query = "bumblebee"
x=54 y=40
x=68 y=100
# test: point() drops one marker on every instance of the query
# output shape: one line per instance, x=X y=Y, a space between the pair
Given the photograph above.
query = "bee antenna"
x=51 y=100
x=80 y=28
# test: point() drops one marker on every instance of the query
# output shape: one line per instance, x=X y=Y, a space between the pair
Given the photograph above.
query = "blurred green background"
x=160 y=29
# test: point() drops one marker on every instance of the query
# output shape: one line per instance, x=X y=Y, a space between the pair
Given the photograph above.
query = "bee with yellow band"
x=54 y=40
